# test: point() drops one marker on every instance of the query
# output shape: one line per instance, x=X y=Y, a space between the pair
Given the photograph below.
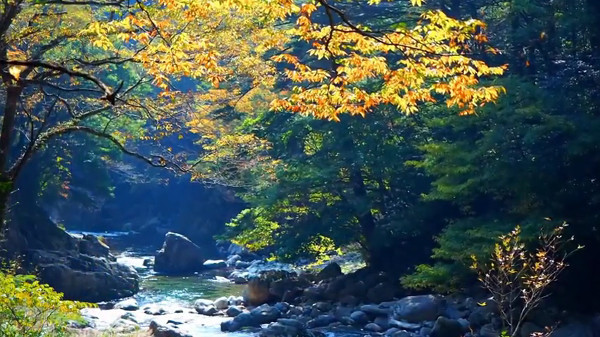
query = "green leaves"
x=31 y=309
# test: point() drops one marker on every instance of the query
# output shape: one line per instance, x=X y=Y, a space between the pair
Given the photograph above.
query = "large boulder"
x=83 y=277
x=330 y=271
x=178 y=256
x=80 y=266
x=91 y=245
x=419 y=308
x=270 y=285
x=257 y=291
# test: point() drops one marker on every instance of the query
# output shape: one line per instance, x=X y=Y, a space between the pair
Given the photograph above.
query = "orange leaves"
x=435 y=62
x=307 y=9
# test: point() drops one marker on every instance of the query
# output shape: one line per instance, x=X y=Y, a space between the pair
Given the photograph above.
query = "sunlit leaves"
x=517 y=277
x=436 y=65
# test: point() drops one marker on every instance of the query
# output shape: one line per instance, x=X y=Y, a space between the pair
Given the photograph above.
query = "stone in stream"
x=375 y=310
x=205 y=307
x=280 y=330
x=231 y=260
x=124 y=326
x=373 y=327
x=320 y=321
x=154 y=309
x=207 y=311
x=233 y=311
x=221 y=303
x=159 y=330
x=129 y=304
x=291 y=322
x=383 y=322
x=178 y=256
x=404 y=325
x=214 y=264
x=360 y=317
x=257 y=291
x=330 y=271
x=419 y=308
x=259 y=315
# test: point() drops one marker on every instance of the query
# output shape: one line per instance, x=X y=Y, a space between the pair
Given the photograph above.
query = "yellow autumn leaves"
x=435 y=64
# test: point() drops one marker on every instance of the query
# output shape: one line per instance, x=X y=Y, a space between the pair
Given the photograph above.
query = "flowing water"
x=169 y=292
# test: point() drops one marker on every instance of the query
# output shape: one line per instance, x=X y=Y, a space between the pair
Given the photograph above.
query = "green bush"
x=29 y=308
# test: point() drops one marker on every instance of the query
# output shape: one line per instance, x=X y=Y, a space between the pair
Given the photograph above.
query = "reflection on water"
x=183 y=290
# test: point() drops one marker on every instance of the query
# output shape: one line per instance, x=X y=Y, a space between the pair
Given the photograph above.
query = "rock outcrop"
x=80 y=266
x=178 y=256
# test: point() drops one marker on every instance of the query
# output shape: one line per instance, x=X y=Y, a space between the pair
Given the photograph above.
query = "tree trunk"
x=8 y=124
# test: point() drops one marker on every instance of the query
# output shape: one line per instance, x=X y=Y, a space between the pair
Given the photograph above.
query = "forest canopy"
x=417 y=131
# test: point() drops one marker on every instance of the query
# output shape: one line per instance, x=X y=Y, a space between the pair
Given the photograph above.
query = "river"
x=174 y=293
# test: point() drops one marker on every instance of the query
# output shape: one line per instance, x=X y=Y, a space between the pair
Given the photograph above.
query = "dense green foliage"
x=392 y=182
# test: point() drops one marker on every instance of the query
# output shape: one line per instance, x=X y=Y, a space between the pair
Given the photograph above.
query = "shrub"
x=29 y=308
x=518 y=278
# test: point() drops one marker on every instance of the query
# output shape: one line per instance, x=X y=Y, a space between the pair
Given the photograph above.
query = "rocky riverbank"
x=283 y=300
x=80 y=266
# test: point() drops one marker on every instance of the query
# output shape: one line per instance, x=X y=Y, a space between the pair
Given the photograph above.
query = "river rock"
x=373 y=327
x=160 y=330
x=320 y=321
x=91 y=245
x=360 y=317
x=239 y=322
x=291 y=322
x=221 y=303
x=155 y=310
x=446 y=327
x=383 y=291
x=419 y=308
x=330 y=271
x=279 y=330
x=209 y=310
x=265 y=314
x=233 y=311
x=256 y=291
x=83 y=277
x=404 y=325
x=214 y=264
x=231 y=260
x=124 y=326
x=259 y=315
x=242 y=264
x=383 y=322
x=178 y=256
x=322 y=306
x=129 y=304
x=375 y=310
